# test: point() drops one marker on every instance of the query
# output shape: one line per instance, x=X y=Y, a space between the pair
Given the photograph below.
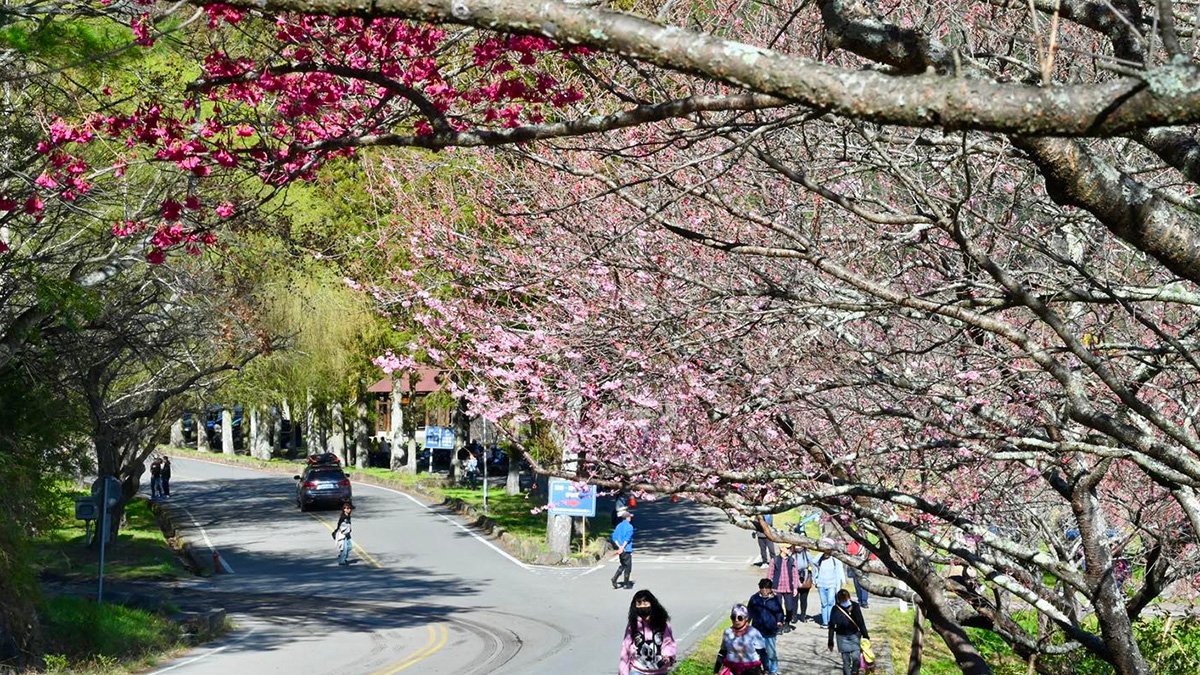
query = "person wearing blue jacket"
x=622 y=538
x=766 y=614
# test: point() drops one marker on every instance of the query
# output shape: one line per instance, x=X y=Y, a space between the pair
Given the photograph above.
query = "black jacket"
x=840 y=624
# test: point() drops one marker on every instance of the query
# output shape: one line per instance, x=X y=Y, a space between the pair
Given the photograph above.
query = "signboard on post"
x=439 y=438
x=569 y=498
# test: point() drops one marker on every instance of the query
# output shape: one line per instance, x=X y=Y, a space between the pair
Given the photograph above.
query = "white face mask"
x=845 y=604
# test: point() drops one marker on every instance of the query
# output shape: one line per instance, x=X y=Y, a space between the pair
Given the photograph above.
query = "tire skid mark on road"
x=438 y=636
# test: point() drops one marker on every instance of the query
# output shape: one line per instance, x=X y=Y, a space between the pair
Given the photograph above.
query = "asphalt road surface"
x=426 y=594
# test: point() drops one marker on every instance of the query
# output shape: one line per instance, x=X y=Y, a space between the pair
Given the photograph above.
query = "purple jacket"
x=647 y=653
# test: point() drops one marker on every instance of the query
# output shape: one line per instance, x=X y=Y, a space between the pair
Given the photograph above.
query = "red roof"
x=426 y=382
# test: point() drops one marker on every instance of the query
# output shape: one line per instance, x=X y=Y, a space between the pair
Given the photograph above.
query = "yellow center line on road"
x=438 y=636
x=361 y=551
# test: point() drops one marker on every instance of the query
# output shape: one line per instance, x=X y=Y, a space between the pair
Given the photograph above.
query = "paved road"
x=426 y=594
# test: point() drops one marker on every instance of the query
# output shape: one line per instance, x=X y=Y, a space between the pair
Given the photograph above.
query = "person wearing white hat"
x=829 y=575
x=622 y=538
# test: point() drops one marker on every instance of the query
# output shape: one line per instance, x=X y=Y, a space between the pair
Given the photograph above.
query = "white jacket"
x=829 y=574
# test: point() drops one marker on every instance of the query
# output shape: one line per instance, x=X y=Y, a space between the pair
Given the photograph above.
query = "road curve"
x=427 y=594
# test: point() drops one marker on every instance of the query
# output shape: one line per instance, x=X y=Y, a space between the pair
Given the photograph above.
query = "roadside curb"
x=165 y=515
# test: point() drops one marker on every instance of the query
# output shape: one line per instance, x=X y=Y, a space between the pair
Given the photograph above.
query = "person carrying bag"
x=846 y=625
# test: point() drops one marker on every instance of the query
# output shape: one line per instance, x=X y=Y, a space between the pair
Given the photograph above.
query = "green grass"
x=85 y=637
x=512 y=512
x=140 y=551
x=700 y=660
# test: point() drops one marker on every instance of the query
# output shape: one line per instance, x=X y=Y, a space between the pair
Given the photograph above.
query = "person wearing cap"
x=622 y=538
x=829 y=575
x=766 y=614
x=743 y=650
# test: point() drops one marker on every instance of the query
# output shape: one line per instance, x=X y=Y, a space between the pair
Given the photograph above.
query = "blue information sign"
x=569 y=498
x=439 y=438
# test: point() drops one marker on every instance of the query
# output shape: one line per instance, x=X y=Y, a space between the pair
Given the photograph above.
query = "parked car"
x=324 y=459
x=322 y=484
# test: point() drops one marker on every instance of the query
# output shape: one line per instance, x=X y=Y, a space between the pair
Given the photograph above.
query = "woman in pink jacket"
x=649 y=646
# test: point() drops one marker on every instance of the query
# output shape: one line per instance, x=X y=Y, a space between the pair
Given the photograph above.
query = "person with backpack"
x=829 y=575
x=155 y=479
x=648 y=647
x=848 y=629
x=166 y=476
x=341 y=535
x=766 y=547
x=766 y=614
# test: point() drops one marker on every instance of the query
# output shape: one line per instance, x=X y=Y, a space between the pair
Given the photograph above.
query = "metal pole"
x=103 y=541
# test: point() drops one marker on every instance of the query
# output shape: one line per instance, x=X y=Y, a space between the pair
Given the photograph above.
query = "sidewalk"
x=805 y=651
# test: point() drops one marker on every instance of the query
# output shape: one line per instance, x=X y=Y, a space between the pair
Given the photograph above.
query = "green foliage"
x=82 y=632
x=1170 y=646
x=65 y=40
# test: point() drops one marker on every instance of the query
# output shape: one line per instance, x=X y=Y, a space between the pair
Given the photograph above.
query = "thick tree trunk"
x=177 y=433
x=362 y=429
x=512 y=485
x=1109 y=602
x=277 y=418
x=337 y=438
x=260 y=443
x=396 y=432
x=202 y=430
x=227 y=431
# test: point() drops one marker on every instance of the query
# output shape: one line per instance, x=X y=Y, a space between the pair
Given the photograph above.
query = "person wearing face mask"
x=649 y=646
x=848 y=630
x=743 y=650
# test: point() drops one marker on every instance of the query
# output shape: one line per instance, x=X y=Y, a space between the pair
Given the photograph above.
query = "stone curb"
x=194 y=560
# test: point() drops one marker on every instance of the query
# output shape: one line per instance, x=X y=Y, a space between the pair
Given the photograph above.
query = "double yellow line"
x=362 y=552
x=438 y=635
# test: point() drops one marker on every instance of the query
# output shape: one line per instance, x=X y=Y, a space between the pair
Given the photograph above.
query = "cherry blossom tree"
x=927 y=267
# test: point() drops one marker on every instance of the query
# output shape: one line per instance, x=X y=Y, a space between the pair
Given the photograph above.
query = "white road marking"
x=208 y=542
x=485 y=542
x=696 y=625
x=205 y=655
x=475 y=535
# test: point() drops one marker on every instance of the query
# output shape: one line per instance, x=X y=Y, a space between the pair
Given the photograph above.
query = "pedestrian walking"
x=622 y=538
x=804 y=566
x=829 y=576
x=341 y=535
x=743 y=650
x=166 y=476
x=648 y=647
x=155 y=479
x=784 y=574
x=766 y=547
x=766 y=614
x=858 y=550
x=847 y=628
